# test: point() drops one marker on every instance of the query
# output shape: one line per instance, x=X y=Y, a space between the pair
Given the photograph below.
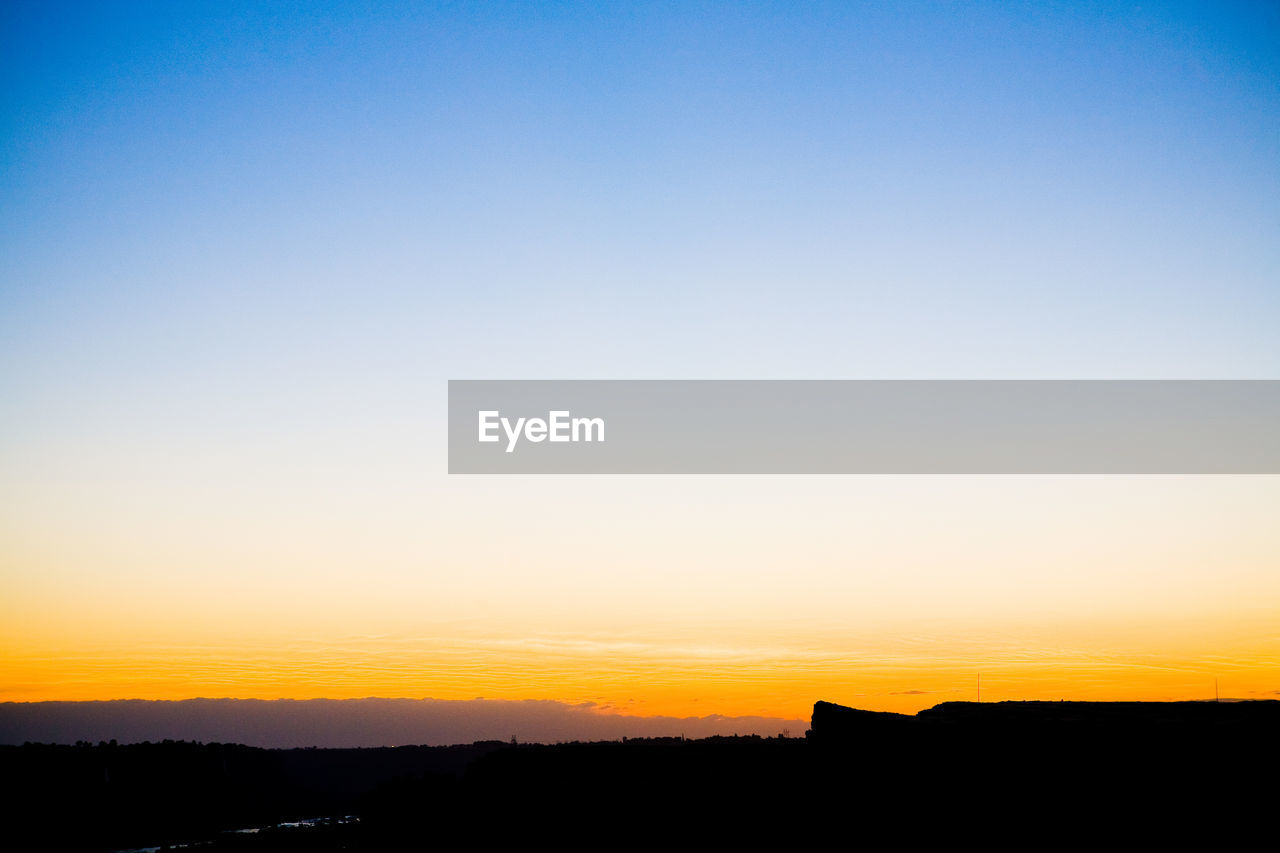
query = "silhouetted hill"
x=340 y=723
x=837 y=722
x=1035 y=771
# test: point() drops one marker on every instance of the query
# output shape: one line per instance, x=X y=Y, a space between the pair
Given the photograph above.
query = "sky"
x=244 y=246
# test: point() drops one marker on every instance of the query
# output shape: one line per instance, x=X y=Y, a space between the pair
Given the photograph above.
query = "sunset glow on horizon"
x=638 y=678
x=1173 y=590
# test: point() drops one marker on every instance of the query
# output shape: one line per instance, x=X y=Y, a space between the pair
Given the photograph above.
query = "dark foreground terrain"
x=1012 y=773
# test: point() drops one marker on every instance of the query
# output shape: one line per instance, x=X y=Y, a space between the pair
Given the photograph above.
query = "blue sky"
x=698 y=190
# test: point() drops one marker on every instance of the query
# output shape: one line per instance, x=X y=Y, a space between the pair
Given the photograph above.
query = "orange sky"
x=684 y=596
x=744 y=669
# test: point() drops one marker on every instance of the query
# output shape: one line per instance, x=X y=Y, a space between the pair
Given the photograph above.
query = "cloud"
x=910 y=692
x=353 y=722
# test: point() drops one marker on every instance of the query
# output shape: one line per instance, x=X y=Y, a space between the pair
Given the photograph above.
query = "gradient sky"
x=242 y=248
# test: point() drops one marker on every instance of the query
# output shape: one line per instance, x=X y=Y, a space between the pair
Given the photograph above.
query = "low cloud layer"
x=352 y=722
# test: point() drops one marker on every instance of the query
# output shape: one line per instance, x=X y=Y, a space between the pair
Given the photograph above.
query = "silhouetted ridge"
x=1134 y=772
x=834 y=722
